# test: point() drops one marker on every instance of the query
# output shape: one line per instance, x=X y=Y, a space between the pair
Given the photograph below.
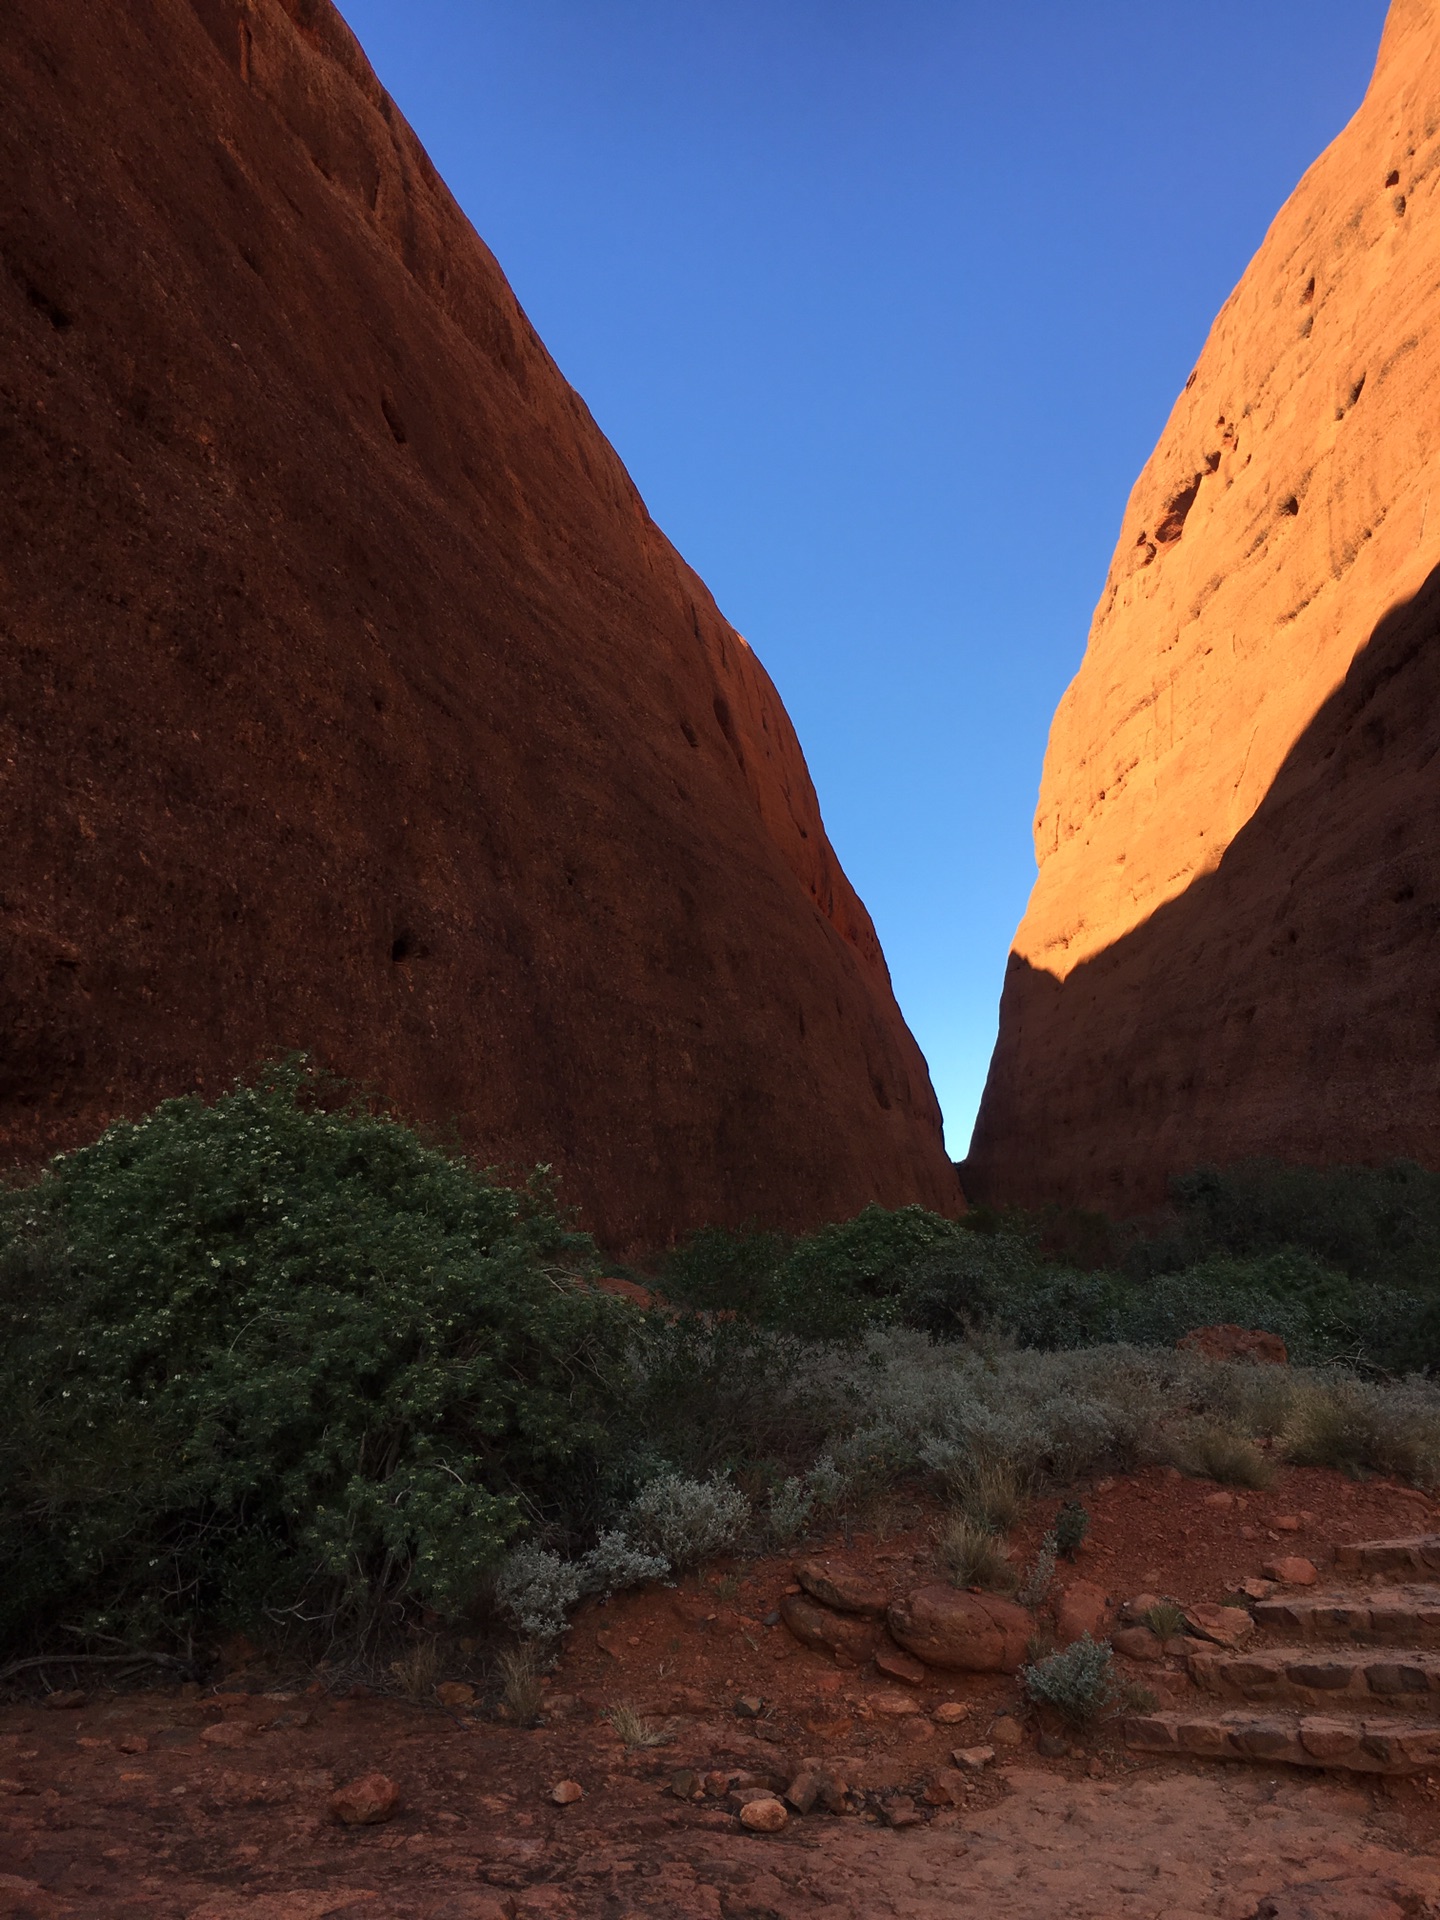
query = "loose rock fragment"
x=893 y=1706
x=971 y=1759
x=365 y=1802
x=225 y=1733
x=1291 y=1571
x=765 y=1815
x=945 y=1788
x=1226 y=1626
x=901 y=1666
x=949 y=1712
x=566 y=1792
x=901 y=1812
x=848 y=1635
x=1137 y=1643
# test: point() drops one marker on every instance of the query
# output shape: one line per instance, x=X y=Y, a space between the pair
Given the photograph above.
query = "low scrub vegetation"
x=277 y=1361
x=1078 y=1684
x=974 y=1557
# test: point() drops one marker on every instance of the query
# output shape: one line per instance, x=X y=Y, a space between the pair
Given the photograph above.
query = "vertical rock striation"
x=1232 y=945
x=349 y=697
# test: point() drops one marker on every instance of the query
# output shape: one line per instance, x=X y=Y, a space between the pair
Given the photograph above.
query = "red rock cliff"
x=349 y=697
x=1233 y=942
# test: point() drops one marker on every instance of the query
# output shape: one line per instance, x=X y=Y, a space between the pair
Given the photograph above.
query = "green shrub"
x=718 y=1270
x=1078 y=1683
x=702 y=1396
x=1371 y=1223
x=1072 y=1523
x=685 y=1521
x=285 y=1357
x=826 y=1285
x=1040 y=1574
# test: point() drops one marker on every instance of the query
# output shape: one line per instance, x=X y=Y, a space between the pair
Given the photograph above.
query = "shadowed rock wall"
x=1227 y=946
x=349 y=697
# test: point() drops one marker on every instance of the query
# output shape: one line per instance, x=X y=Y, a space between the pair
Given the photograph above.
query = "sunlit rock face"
x=1231 y=947
x=350 y=698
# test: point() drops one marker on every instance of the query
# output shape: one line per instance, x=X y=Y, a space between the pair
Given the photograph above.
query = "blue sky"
x=884 y=304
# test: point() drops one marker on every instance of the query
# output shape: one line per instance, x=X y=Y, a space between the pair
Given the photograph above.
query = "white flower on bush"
x=685 y=1520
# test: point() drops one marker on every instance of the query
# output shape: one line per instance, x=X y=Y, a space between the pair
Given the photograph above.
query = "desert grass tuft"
x=634 y=1730
x=1357 y=1427
x=417 y=1670
x=1164 y=1619
x=973 y=1556
x=1210 y=1450
x=522 y=1694
x=991 y=1493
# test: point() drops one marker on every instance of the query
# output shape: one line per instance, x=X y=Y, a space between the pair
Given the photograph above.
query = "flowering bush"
x=284 y=1356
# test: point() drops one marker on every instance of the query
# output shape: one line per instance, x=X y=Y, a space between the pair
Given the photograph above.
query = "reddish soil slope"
x=1231 y=945
x=188 y=1805
x=350 y=699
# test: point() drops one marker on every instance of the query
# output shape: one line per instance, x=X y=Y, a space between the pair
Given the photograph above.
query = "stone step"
x=1356 y=1743
x=1417 y=1553
x=1340 y=1677
x=1384 y=1614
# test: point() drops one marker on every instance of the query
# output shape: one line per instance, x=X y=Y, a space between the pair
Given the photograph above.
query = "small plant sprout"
x=1164 y=1619
x=1072 y=1523
x=1039 y=1574
x=1135 y=1698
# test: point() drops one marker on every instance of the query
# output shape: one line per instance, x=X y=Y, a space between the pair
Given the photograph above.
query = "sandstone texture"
x=966 y=1632
x=850 y=1635
x=1231 y=944
x=366 y=1802
x=1080 y=1608
x=849 y=1589
x=349 y=698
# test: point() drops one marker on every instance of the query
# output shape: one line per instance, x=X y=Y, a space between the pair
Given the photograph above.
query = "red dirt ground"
x=124 y=1806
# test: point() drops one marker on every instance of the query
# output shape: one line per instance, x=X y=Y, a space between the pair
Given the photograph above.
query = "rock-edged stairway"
x=1353 y=1684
